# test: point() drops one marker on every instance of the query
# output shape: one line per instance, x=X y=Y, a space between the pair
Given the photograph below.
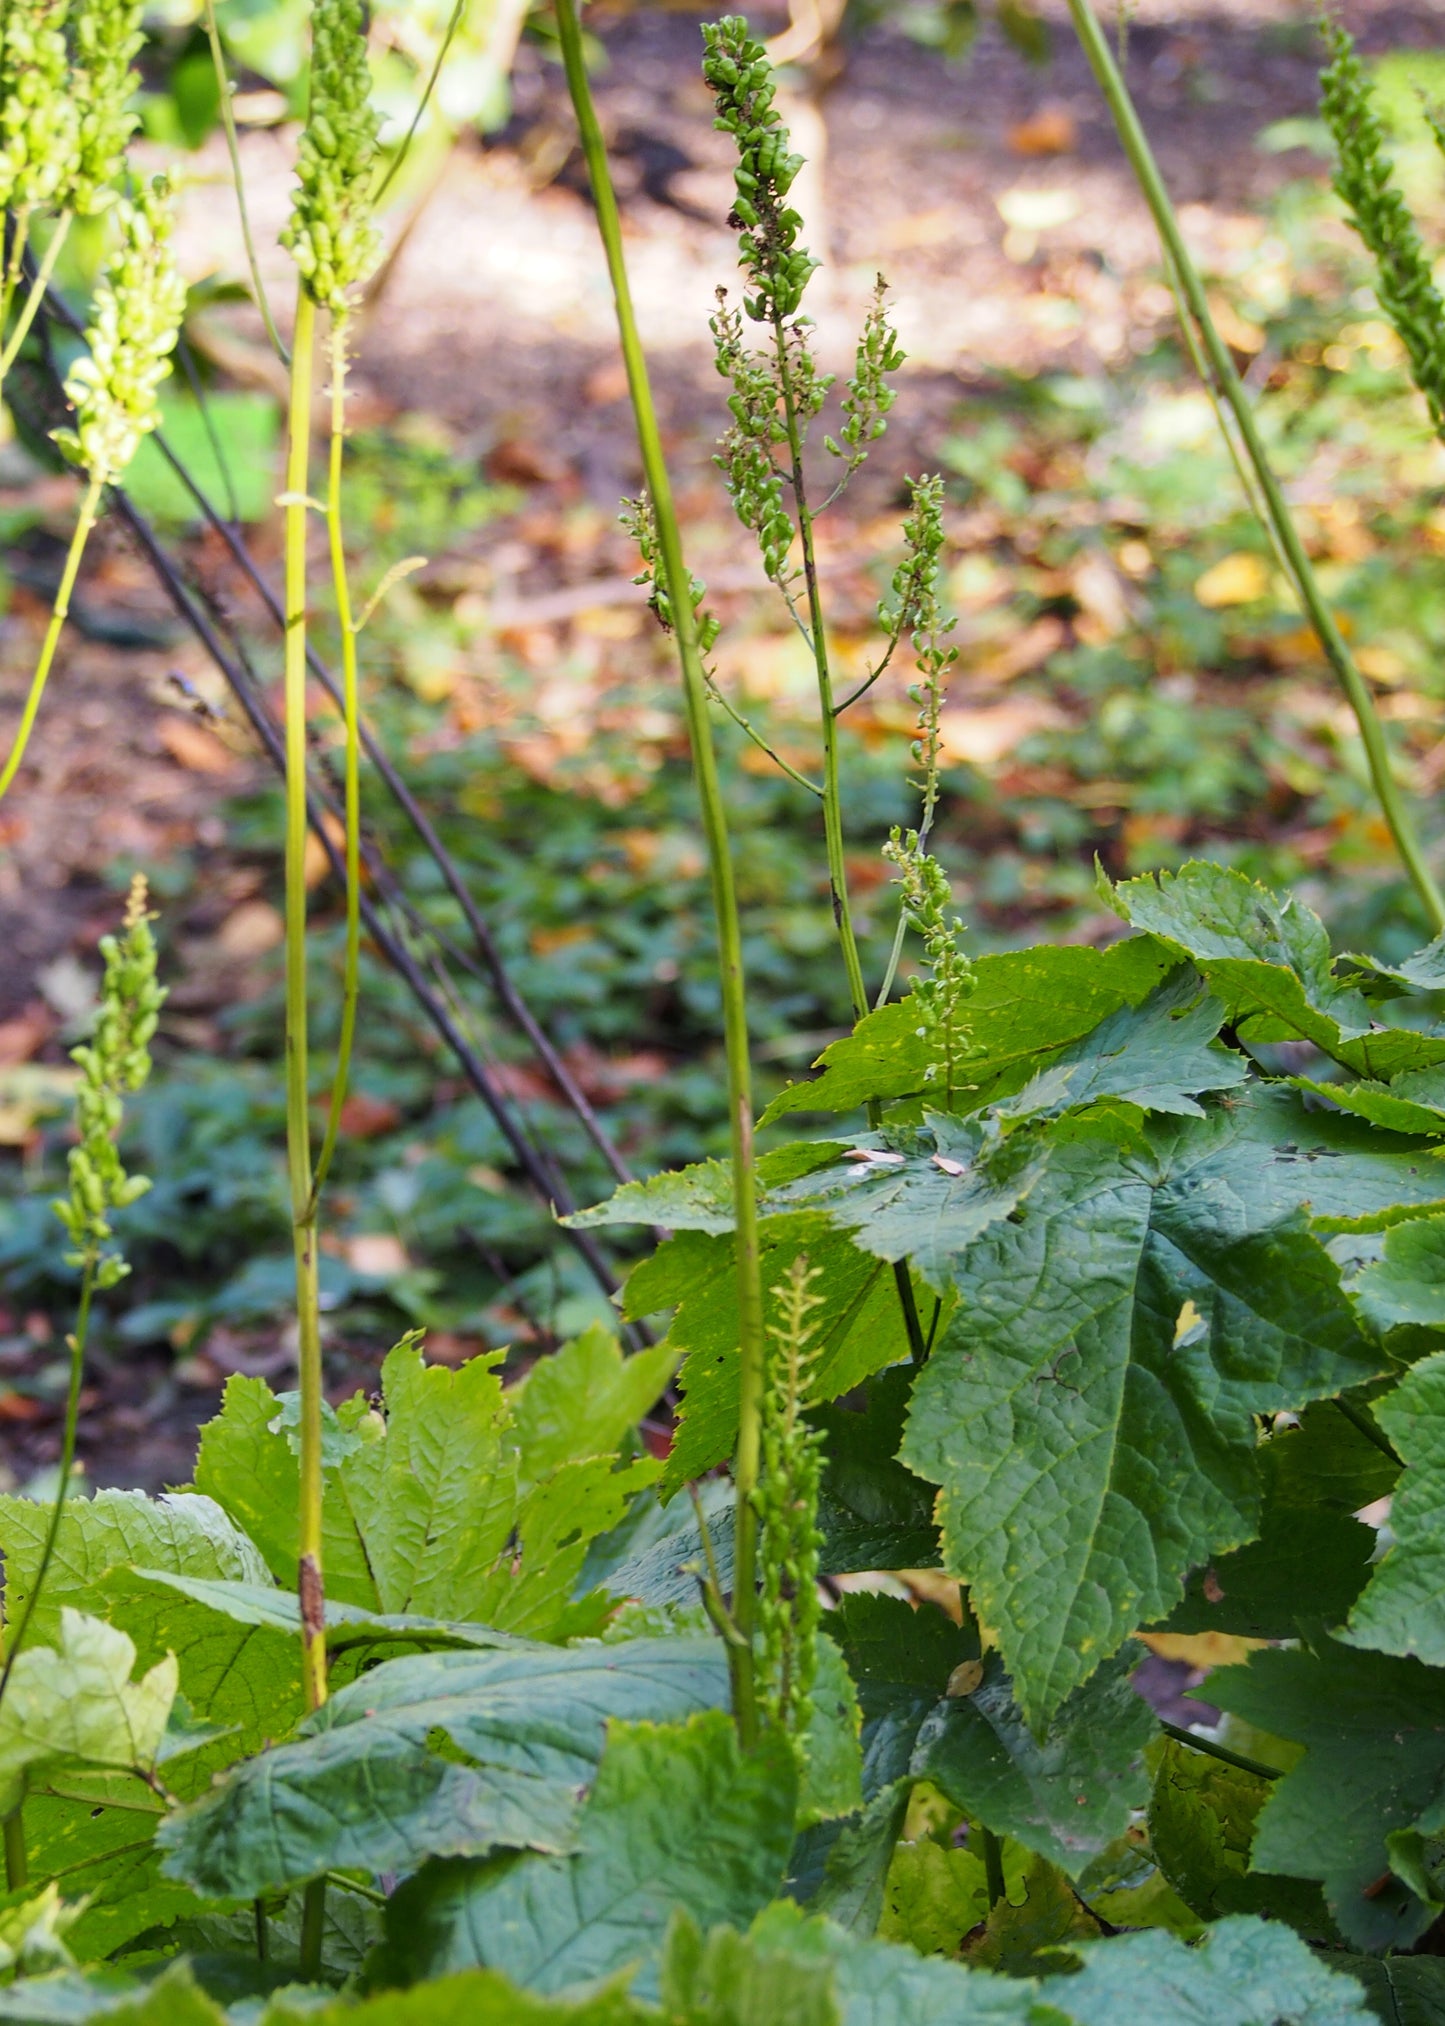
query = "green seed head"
x=39 y=119
x=332 y=236
x=134 y=322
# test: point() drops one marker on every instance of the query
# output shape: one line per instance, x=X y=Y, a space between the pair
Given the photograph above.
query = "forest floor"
x=1024 y=277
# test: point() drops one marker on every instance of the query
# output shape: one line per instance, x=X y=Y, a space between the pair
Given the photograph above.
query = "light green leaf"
x=832 y=1758
x=1159 y=1055
x=74 y=1704
x=1407 y=1285
x=1025 y=1004
x=32 y=1932
x=348 y=1627
x=936 y=1895
x=679 y=1818
x=1243 y=1973
x=471 y=1998
x=1067 y=1795
x=424 y=1510
x=724 y=1980
x=1202 y=1818
x=1089 y=1414
x=881 y=1983
x=1403 y=1608
x=1373 y=1729
x=1269 y=961
x=584 y=1398
x=435 y=1754
x=1411 y=1103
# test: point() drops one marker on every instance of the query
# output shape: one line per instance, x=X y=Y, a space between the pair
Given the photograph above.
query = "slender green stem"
x=425 y=100
x=751 y=1341
x=67 y=1463
x=992 y=1866
x=1372 y=736
x=759 y=741
x=59 y=613
x=298 y=1123
x=1371 y=1430
x=832 y=795
x=36 y=295
x=313 y=1929
x=1221 y=1752
x=351 y=980
x=233 y=146
x=17 y=1864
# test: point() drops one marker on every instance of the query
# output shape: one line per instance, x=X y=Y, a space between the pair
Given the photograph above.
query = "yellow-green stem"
x=36 y=295
x=233 y=147
x=832 y=794
x=1372 y=736
x=298 y=1122
x=59 y=612
x=751 y=1341
x=350 y=711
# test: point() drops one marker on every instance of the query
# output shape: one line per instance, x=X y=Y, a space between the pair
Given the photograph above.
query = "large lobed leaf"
x=1403 y=1609
x=433 y=1755
x=1089 y=1413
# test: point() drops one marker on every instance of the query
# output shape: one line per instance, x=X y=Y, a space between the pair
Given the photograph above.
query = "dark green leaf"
x=1404 y=1990
x=1403 y=1610
x=1373 y=1729
x=436 y=1754
x=1036 y=1934
x=872 y=1512
x=1089 y=1414
x=679 y=1818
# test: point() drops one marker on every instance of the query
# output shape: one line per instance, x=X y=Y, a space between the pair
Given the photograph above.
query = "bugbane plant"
x=787 y=1503
x=114 y=387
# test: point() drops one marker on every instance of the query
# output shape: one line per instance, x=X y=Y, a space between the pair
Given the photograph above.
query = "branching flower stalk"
x=333 y=240
x=134 y=323
x=1372 y=737
x=787 y=1505
x=114 y=1064
x=64 y=125
x=677 y=583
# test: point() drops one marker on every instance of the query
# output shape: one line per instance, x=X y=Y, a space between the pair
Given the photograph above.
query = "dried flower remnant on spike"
x=640 y=522
x=114 y=1062
x=39 y=119
x=332 y=235
x=787 y=1506
x=941 y=994
x=1364 y=180
x=107 y=36
x=134 y=322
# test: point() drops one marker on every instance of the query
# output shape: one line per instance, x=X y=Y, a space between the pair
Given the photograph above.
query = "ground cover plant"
x=1101 y=1294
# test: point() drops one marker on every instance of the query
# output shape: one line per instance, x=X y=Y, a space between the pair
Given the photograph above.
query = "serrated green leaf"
x=1089 y=1414
x=1312 y=1558
x=872 y=1512
x=74 y=1705
x=859 y=1329
x=1269 y=961
x=348 y=1627
x=583 y=1399
x=1410 y=1103
x=1036 y=1933
x=435 y=1754
x=1202 y=1817
x=66 y=1999
x=1403 y=1609
x=1025 y=1004
x=724 y=1980
x=1159 y=1055
x=470 y=1998
x=425 y=1512
x=1405 y=1990
x=936 y=1895
x=832 y=1757
x=847 y=1868
x=1066 y=1795
x=1407 y=1285
x=901 y=1660
x=679 y=1817
x=881 y=1983
x=1244 y=1973
x=1373 y=1728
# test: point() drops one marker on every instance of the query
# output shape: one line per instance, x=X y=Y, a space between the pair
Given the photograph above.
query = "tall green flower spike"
x=787 y=1505
x=134 y=322
x=332 y=236
x=1365 y=182
x=943 y=992
x=736 y=68
x=113 y=1063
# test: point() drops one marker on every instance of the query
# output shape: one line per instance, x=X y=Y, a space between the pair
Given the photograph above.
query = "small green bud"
x=332 y=236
